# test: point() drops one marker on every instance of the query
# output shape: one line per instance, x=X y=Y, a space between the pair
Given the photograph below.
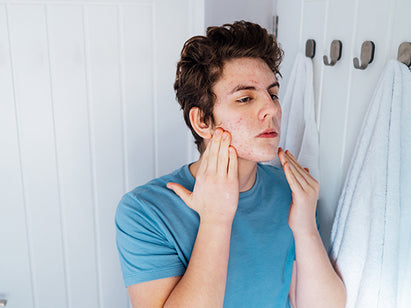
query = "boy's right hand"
x=216 y=191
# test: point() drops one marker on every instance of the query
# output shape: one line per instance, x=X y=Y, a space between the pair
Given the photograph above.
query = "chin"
x=259 y=157
x=268 y=158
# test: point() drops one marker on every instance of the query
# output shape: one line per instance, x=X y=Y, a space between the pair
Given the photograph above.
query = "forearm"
x=318 y=284
x=203 y=284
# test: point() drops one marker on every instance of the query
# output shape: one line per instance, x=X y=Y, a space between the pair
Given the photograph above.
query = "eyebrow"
x=244 y=87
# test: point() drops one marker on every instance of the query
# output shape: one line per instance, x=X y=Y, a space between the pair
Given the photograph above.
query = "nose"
x=270 y=108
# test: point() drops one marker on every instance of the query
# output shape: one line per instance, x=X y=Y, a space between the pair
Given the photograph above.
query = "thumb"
x=181 y=191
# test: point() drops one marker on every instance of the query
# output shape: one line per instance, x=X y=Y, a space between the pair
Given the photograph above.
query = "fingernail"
x=217 y=132
x=225 y=136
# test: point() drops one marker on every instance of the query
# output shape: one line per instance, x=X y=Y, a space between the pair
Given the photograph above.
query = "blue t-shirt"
x=156 y=232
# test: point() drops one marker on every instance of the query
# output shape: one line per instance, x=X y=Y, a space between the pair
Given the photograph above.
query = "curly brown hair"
x=202 y=62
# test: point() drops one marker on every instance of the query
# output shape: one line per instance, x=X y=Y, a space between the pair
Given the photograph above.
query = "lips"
x=268 y=133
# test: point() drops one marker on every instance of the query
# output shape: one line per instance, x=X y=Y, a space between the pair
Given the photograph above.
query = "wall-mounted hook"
x=310 y=48
x=404 y=53
x=367 y=55
x=275 y=26
x=335 y=53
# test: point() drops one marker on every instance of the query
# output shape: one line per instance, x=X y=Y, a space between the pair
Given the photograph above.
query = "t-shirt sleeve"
x=144 y=251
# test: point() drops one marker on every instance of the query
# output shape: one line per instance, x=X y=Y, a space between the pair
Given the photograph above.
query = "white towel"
x=299 y=132
x=371 y=234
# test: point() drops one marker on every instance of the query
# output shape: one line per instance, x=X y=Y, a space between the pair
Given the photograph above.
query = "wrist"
x=221 y=223
x=305 y=234
x=304 y=226
x=217 y=219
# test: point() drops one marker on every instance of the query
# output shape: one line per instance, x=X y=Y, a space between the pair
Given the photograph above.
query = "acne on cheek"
x=239 y=135
x=231 y=126
x=244 y=152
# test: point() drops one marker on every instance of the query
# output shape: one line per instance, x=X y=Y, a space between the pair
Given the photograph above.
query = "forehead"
x=244 y=71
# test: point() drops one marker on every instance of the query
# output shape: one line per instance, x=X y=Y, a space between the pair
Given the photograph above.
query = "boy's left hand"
x=305 y=190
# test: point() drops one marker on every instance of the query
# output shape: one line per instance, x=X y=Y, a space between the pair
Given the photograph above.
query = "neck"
x=247 y=172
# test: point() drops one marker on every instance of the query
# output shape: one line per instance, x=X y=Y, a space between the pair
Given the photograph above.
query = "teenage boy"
x=227 y=230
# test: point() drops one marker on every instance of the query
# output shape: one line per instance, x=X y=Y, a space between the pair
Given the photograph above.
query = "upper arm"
x=291 y=293
x=145 y=252
x=152 y=293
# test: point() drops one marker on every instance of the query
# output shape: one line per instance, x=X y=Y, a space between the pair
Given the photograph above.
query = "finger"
x=294 y=161
x=204 y=159
x=281 y=156
x=292 y=157
x=298 y=171
x=181 y=191
x=233 y=163
x=284 y=157
x=303 y=171
x=287 y=162
x=212 y=160
x=289 y=171
x=224 y=154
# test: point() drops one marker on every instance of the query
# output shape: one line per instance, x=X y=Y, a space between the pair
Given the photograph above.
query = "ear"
x=203 y=129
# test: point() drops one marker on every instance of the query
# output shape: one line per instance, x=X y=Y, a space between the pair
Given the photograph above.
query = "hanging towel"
x=299 y=132
x=371 y=233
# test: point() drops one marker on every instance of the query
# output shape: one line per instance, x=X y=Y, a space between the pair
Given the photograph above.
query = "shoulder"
x=144 y=202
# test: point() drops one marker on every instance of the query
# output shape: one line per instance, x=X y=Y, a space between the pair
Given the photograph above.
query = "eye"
x=244 y=99
x=274 y=97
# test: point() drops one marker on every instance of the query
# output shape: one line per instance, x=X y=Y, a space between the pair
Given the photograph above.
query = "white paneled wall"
x=219 y=12
x=342 y=92
x=87 y=112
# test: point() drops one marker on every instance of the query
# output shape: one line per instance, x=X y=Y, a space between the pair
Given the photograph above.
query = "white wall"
x=219 y=12
x=87 y=112
x=342 y=92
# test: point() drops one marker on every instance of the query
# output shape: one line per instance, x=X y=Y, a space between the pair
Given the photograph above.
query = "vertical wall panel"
x=314 y=18
x=171 y=129
x=289 y=33
x=363 y=82
x=87 y=112
x=138 y=78
x=13 y=230
x=219 y=12
x=334 y=99
x=103 y=56
x=36 y=129
x=400 y=31
x=66 y=42
x=315 y=13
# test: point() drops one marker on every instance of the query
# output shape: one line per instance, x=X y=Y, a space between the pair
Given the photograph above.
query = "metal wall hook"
x=404 y=53
x=367 y=55
x=310 y=48
x=335 y=53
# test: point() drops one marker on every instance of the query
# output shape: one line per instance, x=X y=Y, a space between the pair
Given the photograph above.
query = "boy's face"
x=247 y=106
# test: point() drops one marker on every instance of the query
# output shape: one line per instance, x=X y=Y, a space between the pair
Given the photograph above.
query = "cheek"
x=236 y=128
x=240 y=130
